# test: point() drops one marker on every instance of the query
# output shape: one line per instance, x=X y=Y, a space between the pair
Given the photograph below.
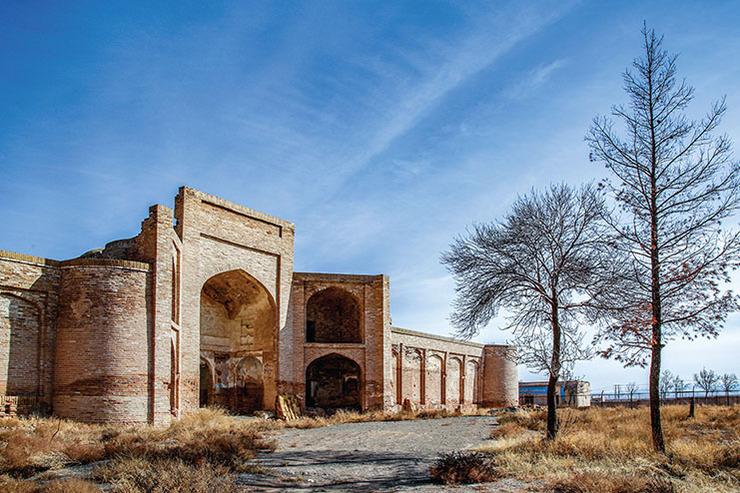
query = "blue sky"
x=381 y=129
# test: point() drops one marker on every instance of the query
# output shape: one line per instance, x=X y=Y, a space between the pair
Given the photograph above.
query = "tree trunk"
x=655 y=421
x=552 y=416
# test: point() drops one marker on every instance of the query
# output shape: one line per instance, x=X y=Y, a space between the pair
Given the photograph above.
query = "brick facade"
x=203 y=306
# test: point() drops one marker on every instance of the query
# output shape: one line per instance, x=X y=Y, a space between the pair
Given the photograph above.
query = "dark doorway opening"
x=206 y=384
x=334 y=382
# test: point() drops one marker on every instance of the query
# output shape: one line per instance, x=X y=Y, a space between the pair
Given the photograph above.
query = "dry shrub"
x=463 y=468
x=20 y=446
x=136 y=475
x=208 y=436
x=26 y=452
x=206 y=418
x=707 y=456
x=84 y=453
x=437 y=414
x=34 y=444
x=343 y=417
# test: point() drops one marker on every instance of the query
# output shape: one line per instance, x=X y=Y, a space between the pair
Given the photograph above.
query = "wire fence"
x=642 y=398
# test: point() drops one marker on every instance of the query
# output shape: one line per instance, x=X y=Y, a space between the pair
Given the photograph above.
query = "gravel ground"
x=369 y=457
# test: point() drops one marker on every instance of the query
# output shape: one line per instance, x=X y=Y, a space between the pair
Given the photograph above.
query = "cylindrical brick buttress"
x=500 y=376
x=102 y=354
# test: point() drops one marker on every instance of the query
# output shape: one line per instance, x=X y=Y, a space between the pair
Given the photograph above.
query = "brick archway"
x=334 y=382
x=237 y=334
x=333 y=315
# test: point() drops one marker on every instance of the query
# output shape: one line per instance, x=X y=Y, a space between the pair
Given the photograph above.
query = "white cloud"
x=533 y=80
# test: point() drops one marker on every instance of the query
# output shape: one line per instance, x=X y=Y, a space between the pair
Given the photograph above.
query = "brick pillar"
x=500 y=377
x=155 y=246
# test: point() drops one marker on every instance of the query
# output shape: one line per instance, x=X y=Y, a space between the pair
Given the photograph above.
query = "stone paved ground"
x=368 y=457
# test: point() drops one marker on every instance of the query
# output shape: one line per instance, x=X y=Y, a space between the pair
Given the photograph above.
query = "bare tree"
x=666 y=383
x=674 y=184
x=706 y=380
x=729 y=382
x=631 y=387
x=541 y=264
x=678 y=385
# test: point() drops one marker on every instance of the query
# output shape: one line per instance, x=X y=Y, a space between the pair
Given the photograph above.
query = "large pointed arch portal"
x=237 y=341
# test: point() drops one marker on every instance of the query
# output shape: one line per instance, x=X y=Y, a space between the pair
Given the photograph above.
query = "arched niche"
x=333 y=315
x=411 y=383
x=433 y=381
x=334 y=382
x=472 y=379
x=454 y=376
x=20 y=330
x=237 y=332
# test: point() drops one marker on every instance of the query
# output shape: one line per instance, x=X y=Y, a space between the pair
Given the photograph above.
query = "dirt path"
x=365 y=457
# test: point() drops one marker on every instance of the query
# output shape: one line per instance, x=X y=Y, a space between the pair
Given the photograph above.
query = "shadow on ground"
x=340 y=470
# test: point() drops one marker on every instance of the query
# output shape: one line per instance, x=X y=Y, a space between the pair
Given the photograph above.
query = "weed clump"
x=464 y=468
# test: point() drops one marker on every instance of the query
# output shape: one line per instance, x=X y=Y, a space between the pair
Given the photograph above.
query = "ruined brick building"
x=203 y=307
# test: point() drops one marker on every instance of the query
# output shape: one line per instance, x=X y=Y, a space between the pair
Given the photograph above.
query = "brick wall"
x=370 y=293
x=102 y=353
x=434 y=372
x=28 y=314
x=219 y=236
x=120 y=334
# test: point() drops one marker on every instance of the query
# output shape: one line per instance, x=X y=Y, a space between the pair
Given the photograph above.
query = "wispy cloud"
x=533 y=80
x=491 y=38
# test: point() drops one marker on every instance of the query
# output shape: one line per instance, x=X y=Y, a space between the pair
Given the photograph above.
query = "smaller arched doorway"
x=251 y=390
x=206 y=383
x=334 y=382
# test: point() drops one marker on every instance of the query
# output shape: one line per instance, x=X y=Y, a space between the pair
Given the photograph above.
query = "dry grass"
x=609 y=450
x=144 y=475
x=209 y=436
x=208 y=440
x=74 y=485
x=32 y=445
